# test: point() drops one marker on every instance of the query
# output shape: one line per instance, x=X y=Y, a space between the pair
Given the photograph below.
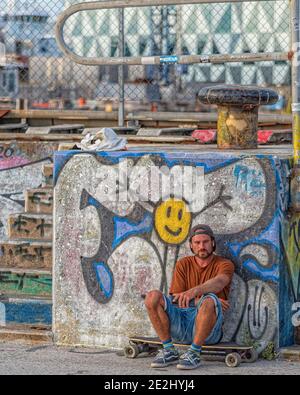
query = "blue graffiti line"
x=249 y=180
x=104 y=278
x=178 y=158
x=210 y=165
x=266 y=274
x=123 y=228
x=171 y=159
x=271 y=233
x=60 y=160
x=282 y=169
x=236 y=249
x=93 y=202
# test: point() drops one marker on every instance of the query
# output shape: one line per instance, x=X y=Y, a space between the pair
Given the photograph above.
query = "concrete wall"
x=25 y=249
x=108 y=254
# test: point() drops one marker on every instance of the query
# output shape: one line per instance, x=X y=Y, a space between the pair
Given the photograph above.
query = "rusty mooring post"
x=238 y=112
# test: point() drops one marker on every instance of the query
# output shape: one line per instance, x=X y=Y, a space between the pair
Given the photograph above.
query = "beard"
x=204 y=254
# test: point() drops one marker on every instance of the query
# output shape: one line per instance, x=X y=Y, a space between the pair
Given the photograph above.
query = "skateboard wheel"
x=251 y=356
x=131 y=351
x=233 y=360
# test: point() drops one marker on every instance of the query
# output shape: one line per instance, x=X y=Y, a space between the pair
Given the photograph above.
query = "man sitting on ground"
x=193 y=312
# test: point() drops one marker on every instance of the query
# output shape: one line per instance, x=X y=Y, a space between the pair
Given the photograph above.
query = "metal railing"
x=37 y=72
x=153 y=60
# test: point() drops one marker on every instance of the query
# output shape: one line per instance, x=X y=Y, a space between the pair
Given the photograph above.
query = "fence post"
x=295 y=44
x=178 y=80
x=121 y=116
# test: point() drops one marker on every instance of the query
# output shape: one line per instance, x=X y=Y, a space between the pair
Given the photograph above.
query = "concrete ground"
x=28 y=359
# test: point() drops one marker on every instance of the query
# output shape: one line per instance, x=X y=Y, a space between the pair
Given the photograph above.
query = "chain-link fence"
x=36 y=70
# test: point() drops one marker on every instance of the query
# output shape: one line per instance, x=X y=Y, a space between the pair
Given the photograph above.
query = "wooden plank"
x=3 y=113
x=155 y=132
x=161 y=139
x=77 y=138
x=62 y=114
x=136 y=116
x=140 y=140
x=36 y=137
x=56 y=129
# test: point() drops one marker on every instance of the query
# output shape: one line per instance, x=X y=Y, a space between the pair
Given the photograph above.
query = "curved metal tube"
x=138 y=60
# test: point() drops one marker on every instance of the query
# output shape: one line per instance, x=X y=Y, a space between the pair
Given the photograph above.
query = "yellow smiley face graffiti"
x=172 y=221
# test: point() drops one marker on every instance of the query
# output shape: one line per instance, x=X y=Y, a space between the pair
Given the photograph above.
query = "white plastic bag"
x=104 y=140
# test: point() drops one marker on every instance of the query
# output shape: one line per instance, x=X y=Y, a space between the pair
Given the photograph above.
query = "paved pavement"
x=26 y=359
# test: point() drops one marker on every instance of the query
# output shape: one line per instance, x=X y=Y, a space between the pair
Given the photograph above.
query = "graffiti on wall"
x=26 y=254
x=291 y=239
x=138 y=243
x=25 y=283
x=21 y=167
x=11 y=156
x=25 y=311
x=40 y=201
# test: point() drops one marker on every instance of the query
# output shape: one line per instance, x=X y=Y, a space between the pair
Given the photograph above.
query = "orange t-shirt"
x=188 y=274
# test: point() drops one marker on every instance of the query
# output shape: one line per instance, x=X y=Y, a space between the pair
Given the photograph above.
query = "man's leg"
x=155 y=305
x=205 y=322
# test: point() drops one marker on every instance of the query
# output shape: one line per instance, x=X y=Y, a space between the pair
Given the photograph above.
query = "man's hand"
x=184 y=298
x=225 y=304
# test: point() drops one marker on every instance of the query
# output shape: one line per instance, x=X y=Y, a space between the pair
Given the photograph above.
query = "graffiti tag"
x=296 y=316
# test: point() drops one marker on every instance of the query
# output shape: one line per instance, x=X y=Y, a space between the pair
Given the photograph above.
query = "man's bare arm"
x=215 y=285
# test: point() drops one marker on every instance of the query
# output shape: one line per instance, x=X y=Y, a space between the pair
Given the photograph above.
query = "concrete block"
x=25 y=283
x=21 y=165
x=48 y=170
x=26 y=335
x=110 y=251
x=39 y=201
x=291 y=353
x=29 y=255
x=26 y=311
x=48 y=175
x=30 y=227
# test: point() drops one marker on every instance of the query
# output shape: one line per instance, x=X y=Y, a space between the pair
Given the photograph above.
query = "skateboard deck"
x=219 y=346
x=234 y=354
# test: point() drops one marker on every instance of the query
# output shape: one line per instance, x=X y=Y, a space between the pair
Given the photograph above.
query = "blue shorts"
x=182 y=320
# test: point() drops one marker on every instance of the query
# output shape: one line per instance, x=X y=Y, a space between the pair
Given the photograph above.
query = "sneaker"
x=189 y=360
x=165 y=357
